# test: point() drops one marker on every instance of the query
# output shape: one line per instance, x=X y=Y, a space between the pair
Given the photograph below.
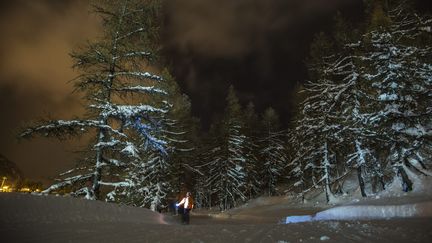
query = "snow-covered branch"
x=62 y=128
x=133 y=54
x=67 y=182
x=139 y=75
x=126 y=112
x=142 y=89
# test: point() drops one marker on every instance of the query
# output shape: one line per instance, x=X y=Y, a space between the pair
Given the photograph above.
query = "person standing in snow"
x=186 y=204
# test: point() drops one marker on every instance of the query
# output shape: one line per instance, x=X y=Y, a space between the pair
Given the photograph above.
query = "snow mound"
x=376 y=212
x=367 y=212
x=18 y=208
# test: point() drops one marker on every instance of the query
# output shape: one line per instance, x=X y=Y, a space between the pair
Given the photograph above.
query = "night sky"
x=259 y=46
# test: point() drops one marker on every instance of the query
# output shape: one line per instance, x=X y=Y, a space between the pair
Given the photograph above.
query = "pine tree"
x=320 y=128
x=162 y=174
x=182 y=136
x=320 y=133
x=251 y=132
x=272 y=151
x=209 y=184
x=116 y=85
x=297 y=173
x=227 y=159
x=399 y=67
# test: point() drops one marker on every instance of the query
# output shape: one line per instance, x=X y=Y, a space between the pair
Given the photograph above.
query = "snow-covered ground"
x=31 y=209
x=30 y=218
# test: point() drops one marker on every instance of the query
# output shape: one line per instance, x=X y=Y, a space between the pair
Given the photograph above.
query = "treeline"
x=365 y=112
x=242 y=156
x=366 y=109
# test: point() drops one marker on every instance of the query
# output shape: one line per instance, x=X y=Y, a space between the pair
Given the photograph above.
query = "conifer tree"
x=367 y=103
x=118 y=87
x=398 y=70
x=251 y=131
x=323 y=134
x=272 y=151
x=182 y=134
x=162 y=174
x=227 y=159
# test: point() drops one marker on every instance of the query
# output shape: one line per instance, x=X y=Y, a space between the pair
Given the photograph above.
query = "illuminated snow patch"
x=359 y=212
x=298 y=219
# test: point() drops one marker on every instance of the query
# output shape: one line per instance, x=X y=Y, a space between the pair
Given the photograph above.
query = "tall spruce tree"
x=324 y=132
x=227 y=159
x=182 y=135
x=272 y=151
x=251 y=132
x=208 y=186
x=398 y=67
x=160 y=175
x=118 y=88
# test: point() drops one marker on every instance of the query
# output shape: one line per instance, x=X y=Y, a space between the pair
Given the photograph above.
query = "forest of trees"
x=366 y=110
x=367 y=106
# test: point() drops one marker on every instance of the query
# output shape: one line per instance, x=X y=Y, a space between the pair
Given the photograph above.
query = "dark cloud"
x=34 y=69
x=259 y=46
x=36 y=40
x=231 y=28
x=37 y=158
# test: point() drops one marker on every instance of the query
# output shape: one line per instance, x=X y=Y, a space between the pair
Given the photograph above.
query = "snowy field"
x=30 y=218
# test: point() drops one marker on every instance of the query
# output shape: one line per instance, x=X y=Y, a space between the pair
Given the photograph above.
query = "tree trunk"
x=303 y=192
x=97 y=174
x=361 y=181
x=381 y=180
x=327 y=173
x=406 y=182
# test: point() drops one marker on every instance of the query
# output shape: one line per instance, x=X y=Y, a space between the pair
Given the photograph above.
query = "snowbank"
x=376 y=212
x=368 y=212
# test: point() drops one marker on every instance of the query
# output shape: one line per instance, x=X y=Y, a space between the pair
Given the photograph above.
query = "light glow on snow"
x=362 y=212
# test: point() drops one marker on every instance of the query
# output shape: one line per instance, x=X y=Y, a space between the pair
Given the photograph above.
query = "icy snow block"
x=369 y=212
x=298 y=219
